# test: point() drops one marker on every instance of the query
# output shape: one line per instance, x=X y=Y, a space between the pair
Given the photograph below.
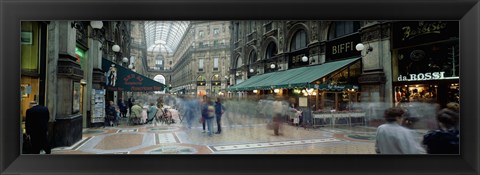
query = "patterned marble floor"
x=239 y=136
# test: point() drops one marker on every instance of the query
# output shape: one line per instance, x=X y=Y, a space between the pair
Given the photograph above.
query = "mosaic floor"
x=239 y=136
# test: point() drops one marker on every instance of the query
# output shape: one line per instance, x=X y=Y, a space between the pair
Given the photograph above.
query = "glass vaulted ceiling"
x=164 y=36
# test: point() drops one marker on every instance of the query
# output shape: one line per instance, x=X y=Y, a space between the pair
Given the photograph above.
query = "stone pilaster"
x=68 y=123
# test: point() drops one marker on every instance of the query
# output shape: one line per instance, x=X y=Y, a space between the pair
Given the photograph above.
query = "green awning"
x=119 y=78
x=292 y=78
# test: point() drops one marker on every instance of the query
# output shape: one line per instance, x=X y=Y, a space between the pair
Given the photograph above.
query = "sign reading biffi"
x=342 y=48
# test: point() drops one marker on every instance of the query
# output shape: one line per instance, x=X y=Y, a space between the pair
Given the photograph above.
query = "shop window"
x=329 y=102
x=30 y=46
x=299 y=41
x=416 y=93
x=428 y=62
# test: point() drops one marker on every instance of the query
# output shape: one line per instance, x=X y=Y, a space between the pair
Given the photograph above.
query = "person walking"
x=36 y=126
x=392 y=138
x=219 y=110
x=446 y=139
x=204 y=111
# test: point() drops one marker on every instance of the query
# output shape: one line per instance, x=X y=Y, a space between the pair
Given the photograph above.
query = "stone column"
x=376 y=75
x=52 y=59
x=68 y=124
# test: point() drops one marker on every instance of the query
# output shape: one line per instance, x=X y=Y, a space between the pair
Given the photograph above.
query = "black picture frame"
x=12 y=12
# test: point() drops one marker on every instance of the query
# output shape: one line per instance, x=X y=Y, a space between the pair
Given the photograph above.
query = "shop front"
x=425 y=64
x=33 y=76
x=326 y=86
x=201 y=86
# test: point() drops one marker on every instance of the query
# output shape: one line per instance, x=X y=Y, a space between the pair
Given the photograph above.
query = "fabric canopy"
x=294 y=78
x=119 y=78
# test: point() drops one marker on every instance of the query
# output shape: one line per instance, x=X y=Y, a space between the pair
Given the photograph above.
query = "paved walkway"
x=240 y=135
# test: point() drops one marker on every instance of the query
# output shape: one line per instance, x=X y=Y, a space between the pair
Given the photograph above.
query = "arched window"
x=200 y=78
x=299 y=40
x=253 y=56
x=341 y=28
x=215 y=77
x=239 y=62
x=271 y=50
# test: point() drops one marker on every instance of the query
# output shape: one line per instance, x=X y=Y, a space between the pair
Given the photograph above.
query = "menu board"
x=302 y=101
x=98 y=106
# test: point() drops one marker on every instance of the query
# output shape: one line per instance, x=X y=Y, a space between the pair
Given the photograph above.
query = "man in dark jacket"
x=36 y=125
x=219 y=109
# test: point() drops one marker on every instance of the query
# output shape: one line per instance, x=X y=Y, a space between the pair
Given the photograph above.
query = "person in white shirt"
x=392 y=138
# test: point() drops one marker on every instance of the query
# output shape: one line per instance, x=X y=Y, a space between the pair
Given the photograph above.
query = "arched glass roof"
x=164 y=36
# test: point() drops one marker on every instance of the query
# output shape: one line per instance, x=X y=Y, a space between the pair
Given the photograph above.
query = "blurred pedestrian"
x=123 y=109
x=392 y=138
x=446 y=139
x=219 y=110
x=204 y=112
x=136 y=113
x=209 y=110
x=152 y=112
x=36 y=126
x=130 y=104
x=144 y=117
x=110 y=114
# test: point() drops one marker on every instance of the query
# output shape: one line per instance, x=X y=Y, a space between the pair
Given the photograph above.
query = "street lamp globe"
x=359 y=47
x=125 y=59
x=272 y=66
x=96 y=24
x=304 y=58
x=130 y=66
x=116 y=48
x=251 y=70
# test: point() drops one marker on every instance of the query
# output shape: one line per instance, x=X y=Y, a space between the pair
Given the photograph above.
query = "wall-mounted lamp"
x=360 y=47
x=96 y=33
x=237 y=74
x=96 y=24
x=255 y=91
x=276 y=90
x=251 y=70
x=304 y=59
x=125 y=60
x=272 y=66
x=116 y=48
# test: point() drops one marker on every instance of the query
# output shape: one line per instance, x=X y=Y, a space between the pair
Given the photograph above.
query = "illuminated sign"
x=422 y=76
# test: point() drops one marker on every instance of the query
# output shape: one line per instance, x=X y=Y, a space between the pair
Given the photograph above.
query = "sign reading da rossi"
x=422 y=76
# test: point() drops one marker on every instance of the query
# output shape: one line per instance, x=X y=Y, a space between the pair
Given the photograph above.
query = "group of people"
x=393 y=138
x=211 y=110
